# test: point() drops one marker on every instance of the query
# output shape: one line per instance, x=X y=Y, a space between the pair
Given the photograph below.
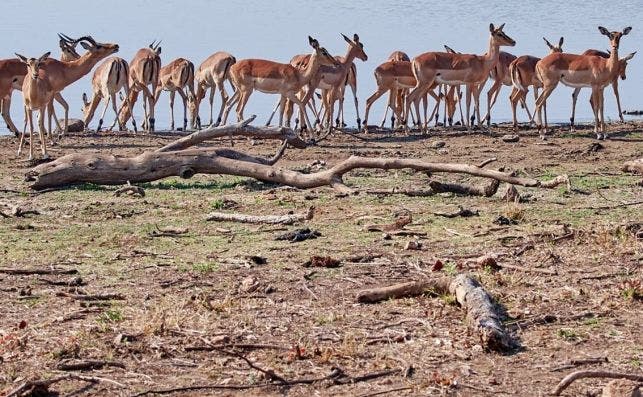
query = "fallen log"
x=469 y=190
x=106 y=169
x=37 y=271
x=402 y=290
x=593 y=374
x=239 y=129
x=482 y=314
x=287 y=219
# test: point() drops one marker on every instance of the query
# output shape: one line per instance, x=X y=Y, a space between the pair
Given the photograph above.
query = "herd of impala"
x=408 y=82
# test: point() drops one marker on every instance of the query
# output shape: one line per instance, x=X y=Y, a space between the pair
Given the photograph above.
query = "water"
x=277 y=30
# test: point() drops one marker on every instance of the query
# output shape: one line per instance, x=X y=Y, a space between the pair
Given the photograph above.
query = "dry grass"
x=187 y=290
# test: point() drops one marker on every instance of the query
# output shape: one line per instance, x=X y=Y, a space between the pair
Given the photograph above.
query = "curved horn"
x=86 y=38
x=158 y=45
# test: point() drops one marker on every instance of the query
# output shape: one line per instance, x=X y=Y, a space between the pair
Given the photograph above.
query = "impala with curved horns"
x=581 y=71
x=456 y=69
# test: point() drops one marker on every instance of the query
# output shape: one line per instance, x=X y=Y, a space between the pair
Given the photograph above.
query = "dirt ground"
x=225 y=304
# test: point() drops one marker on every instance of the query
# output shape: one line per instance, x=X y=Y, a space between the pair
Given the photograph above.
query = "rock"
x=511 y=194
x=249 y=284
x=438 y=144
x=634 y=166
x=413 y=245
x=510 y=138
x=622 y=388
x=73 y=125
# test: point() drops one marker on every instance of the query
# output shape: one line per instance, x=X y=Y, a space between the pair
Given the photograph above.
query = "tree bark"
x=287 y=219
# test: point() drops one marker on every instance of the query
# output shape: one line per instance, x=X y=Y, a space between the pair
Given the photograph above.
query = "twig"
x=27 y=387
x=37 y=271
x=88 y=365
x=379 y=393
x=269 y=219
x=167 y=232
x=203 y=387
x=529 y=269
x=593 y=374
x=608 y=207
x=97 y=297
x=270 y=374
x=486 y=162
x=246 y=346
x=579 y=362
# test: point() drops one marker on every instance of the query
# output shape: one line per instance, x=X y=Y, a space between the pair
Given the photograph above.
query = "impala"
x=523 y=74
x=395 y=96
x=174 y=77
x=144 y=71
x=622 y=66
x=332 y=80
x=61 y=74
x=212 y=73
x=273 y=78
x=500 y=76
x=109 y=78
x=456 y=69
x=38 y=95
x=12 y=74
x=581 y=71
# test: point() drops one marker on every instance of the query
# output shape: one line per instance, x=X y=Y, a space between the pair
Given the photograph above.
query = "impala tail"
x=516 y=79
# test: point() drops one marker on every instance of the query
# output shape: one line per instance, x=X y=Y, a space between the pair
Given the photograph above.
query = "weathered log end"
x=483 y=317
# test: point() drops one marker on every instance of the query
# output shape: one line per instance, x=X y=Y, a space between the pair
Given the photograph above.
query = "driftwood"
x=634 y=166
x=402 y=290
x=482 y=314
x=107 y=169
x=287 y=219
x=41 y=387
x=593 y=374
x=239 y=129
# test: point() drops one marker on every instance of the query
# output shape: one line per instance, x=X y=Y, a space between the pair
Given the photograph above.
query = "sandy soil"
x=577 y=293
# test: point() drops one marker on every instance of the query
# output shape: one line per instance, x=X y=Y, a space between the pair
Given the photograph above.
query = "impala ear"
x=627 y=30
x=356 y=37
x=86 y=46
x=22 y=57
x=548 y=43
x=629 y=56
x=604 y=31
x=158 y=50
x=44 y=56
x=560 y=42
x=491 y=28
x=313 y=43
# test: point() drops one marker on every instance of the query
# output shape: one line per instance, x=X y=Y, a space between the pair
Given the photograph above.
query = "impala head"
x=554 y=48
x=68 y=48
x=33 y=64
x=85 y=106
x=95 y=48
x=615 y=37
x=622 y=65
x=499 y=37
x=357 y=47
x=321 y=52
x=398 y=56
x=156 y=47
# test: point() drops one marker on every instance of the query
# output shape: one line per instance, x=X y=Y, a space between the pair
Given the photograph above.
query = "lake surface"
x=277 y=30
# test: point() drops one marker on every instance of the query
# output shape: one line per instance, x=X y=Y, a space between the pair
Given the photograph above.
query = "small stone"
x=510 y=138
x=249 y=284
x=622 y=388
x=438 y=144
x=413 y=245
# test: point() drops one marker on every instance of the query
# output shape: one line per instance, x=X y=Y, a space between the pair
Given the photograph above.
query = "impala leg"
x=354 y=90
x=102 y=115
x=492 y=96
x=24 y=131
x=30 y=120
x=92 y=109
x=369 y=102
x=130 y=109
x=595 y=106
x=542 y=98
x=389 y=104
x=114 y=107
x=5 y=104
x=277 y=107
x=242 y=103
x=618 y=100
x=172 y=94
x=65 y=106
x=233 y=100
x=42 y=131
x=468 y=104
x=601 y=108
x=184 y=98
x=298 y=102
x=282 y=109
x=152 y=106
x=574 y=99
x=513 y=99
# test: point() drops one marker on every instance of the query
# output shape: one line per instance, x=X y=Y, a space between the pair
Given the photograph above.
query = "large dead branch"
x=106 y=169
x=482 y=314
x=593 y=374
x=41 y=387
x=287 y=219
x=239 y=129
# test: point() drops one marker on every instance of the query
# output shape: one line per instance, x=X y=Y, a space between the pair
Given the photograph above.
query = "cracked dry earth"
x=225 y=305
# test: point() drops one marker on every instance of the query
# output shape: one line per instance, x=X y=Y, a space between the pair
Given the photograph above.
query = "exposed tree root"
x=593 y=374
x=287 y=219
